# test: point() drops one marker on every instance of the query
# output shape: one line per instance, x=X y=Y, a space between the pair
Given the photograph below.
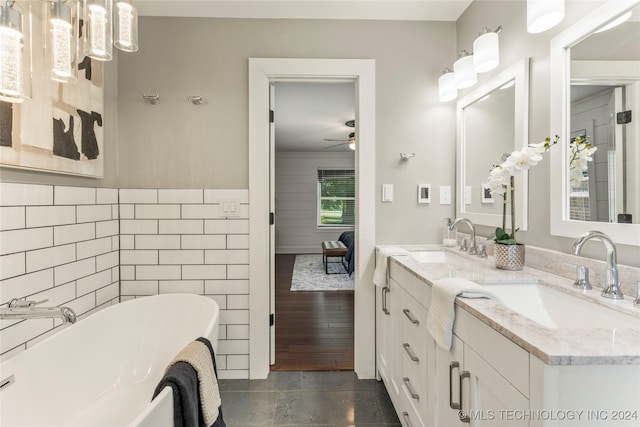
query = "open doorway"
x=314 y=188
x=262 y=72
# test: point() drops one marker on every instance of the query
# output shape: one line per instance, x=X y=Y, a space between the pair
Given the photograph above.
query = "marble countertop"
x=552 y=346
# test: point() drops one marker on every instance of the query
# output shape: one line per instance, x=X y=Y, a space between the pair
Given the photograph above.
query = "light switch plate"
x=467 y=195
x=445 y=195
x=387 y=192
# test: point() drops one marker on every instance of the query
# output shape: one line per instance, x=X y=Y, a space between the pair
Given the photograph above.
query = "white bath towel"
x=380 y=275
x=197 y=354
x=442 y=309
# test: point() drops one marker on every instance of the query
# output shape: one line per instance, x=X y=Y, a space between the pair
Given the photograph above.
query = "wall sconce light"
x=447 y=86
x=486 y=50
x=464 y=74
x=151 y=99
x=60 y=27
x=98 y=17
x=542 y=15
x=15 y=58
x=196 y=99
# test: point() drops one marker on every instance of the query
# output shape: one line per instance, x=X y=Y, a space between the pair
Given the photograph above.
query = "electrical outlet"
x=467 y=195
x=445 y=195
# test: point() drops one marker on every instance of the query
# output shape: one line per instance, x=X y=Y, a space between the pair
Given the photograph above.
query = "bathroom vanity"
x=561 y=357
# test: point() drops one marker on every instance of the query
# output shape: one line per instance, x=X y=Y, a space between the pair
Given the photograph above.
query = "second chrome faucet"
x=473 y=249
x=612 y=285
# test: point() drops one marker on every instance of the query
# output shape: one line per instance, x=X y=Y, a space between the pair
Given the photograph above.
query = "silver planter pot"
x=509 y=257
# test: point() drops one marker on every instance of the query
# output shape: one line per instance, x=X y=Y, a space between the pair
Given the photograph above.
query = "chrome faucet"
x=473 y=250
x=24 y=309
x=612 y=286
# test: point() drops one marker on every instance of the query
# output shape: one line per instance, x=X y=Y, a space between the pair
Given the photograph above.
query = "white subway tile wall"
x=184 y=241
x=58 y=244
x=88 y=248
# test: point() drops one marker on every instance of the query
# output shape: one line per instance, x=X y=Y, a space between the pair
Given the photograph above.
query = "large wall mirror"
x=491 y=123
x=595 y=93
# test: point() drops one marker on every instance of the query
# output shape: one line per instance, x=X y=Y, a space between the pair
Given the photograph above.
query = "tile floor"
x=309 y=398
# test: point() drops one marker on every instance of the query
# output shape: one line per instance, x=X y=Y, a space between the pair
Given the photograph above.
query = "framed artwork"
x=60 y=129
x=424 y=193
x=487 y=196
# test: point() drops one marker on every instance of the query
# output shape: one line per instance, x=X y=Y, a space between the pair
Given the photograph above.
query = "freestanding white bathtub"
x=102 y=371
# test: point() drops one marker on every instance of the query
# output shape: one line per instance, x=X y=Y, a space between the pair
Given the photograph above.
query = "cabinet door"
x=383 y=331
x=488 y=398
x=448 y=365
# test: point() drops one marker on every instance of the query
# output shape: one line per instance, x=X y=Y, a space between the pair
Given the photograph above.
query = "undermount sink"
x=558 y=310
x=429 y=256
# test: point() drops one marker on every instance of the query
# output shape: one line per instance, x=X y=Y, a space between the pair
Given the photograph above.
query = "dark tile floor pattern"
x=310 y=398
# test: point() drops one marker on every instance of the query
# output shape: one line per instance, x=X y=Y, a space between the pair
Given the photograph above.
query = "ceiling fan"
x=351 y=141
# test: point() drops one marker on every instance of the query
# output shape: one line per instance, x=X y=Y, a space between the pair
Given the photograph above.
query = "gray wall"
x=516 y=43
x=296 y=199
x=178 y=145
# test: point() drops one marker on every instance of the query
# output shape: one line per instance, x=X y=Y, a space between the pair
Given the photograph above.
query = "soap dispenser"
x=449 y=237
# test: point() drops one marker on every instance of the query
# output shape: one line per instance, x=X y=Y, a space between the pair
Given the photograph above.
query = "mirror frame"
x=520 y=73
x=560 y=86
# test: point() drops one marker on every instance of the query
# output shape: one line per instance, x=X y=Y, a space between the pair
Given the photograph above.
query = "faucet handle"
x=463 y=246
x=636 y=302
x=582 y=278
x=482 y=251
x=22 y=303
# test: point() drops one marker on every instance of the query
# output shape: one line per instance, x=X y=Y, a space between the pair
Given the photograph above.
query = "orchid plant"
x=581 y=153
x=502 y=182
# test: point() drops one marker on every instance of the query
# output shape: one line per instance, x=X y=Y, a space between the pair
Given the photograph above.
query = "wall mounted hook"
x=151 y=99
x=407 y=156
x=196 y=99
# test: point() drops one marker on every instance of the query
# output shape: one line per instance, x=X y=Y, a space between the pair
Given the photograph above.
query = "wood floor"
x=314 y=330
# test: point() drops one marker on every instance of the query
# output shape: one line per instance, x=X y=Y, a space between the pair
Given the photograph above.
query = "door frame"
x=263 y=71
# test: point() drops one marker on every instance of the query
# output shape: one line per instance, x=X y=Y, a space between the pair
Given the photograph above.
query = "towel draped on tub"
x=192 y=375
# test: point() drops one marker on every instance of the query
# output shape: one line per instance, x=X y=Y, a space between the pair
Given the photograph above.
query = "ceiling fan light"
x=542 y=15
x=352 y=145
x=486 y=52
x=447 y=86
x=465 y=75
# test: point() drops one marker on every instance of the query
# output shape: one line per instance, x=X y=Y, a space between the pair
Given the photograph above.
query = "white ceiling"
x=403 y=10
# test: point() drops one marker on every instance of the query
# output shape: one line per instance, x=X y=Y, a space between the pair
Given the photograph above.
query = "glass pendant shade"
x=464 y=74
x=447 y=86
x=98 y=37
x=486 y=52
x=543 y=15
x=61 y=39
x=126 y=26
x=15 y=55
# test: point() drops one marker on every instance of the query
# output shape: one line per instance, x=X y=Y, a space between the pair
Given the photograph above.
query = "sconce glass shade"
x=15 y=54
x=352 y=145
x=486 y=52
x=464 y=74
x=447 y=86
x=98 y=37
x=126 y=26
x=543 y=15
x=61 y=39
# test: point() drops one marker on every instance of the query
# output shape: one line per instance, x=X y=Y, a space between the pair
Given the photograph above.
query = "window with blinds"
x=336 y=197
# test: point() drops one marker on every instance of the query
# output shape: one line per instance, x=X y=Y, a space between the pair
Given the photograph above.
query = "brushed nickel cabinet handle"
x=465 y=418
x=410 y=316
x=405 y=415
x=407 y=349
x=453 y=365
x=385 y=292
x=413 y=394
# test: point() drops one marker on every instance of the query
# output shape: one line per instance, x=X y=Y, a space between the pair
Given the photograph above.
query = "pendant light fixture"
x=126 y=26
x=542 y=15
x=15 y=53
x=61 y=39
x=447 y=86
x=464 y=74
x=98 y=18
x=486 y=50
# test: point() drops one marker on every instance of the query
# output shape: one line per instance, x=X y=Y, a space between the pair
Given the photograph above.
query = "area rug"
x=309 y=275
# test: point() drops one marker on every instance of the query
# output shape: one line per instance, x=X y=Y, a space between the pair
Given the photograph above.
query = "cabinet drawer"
x=498 y=351
x=410 y=283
